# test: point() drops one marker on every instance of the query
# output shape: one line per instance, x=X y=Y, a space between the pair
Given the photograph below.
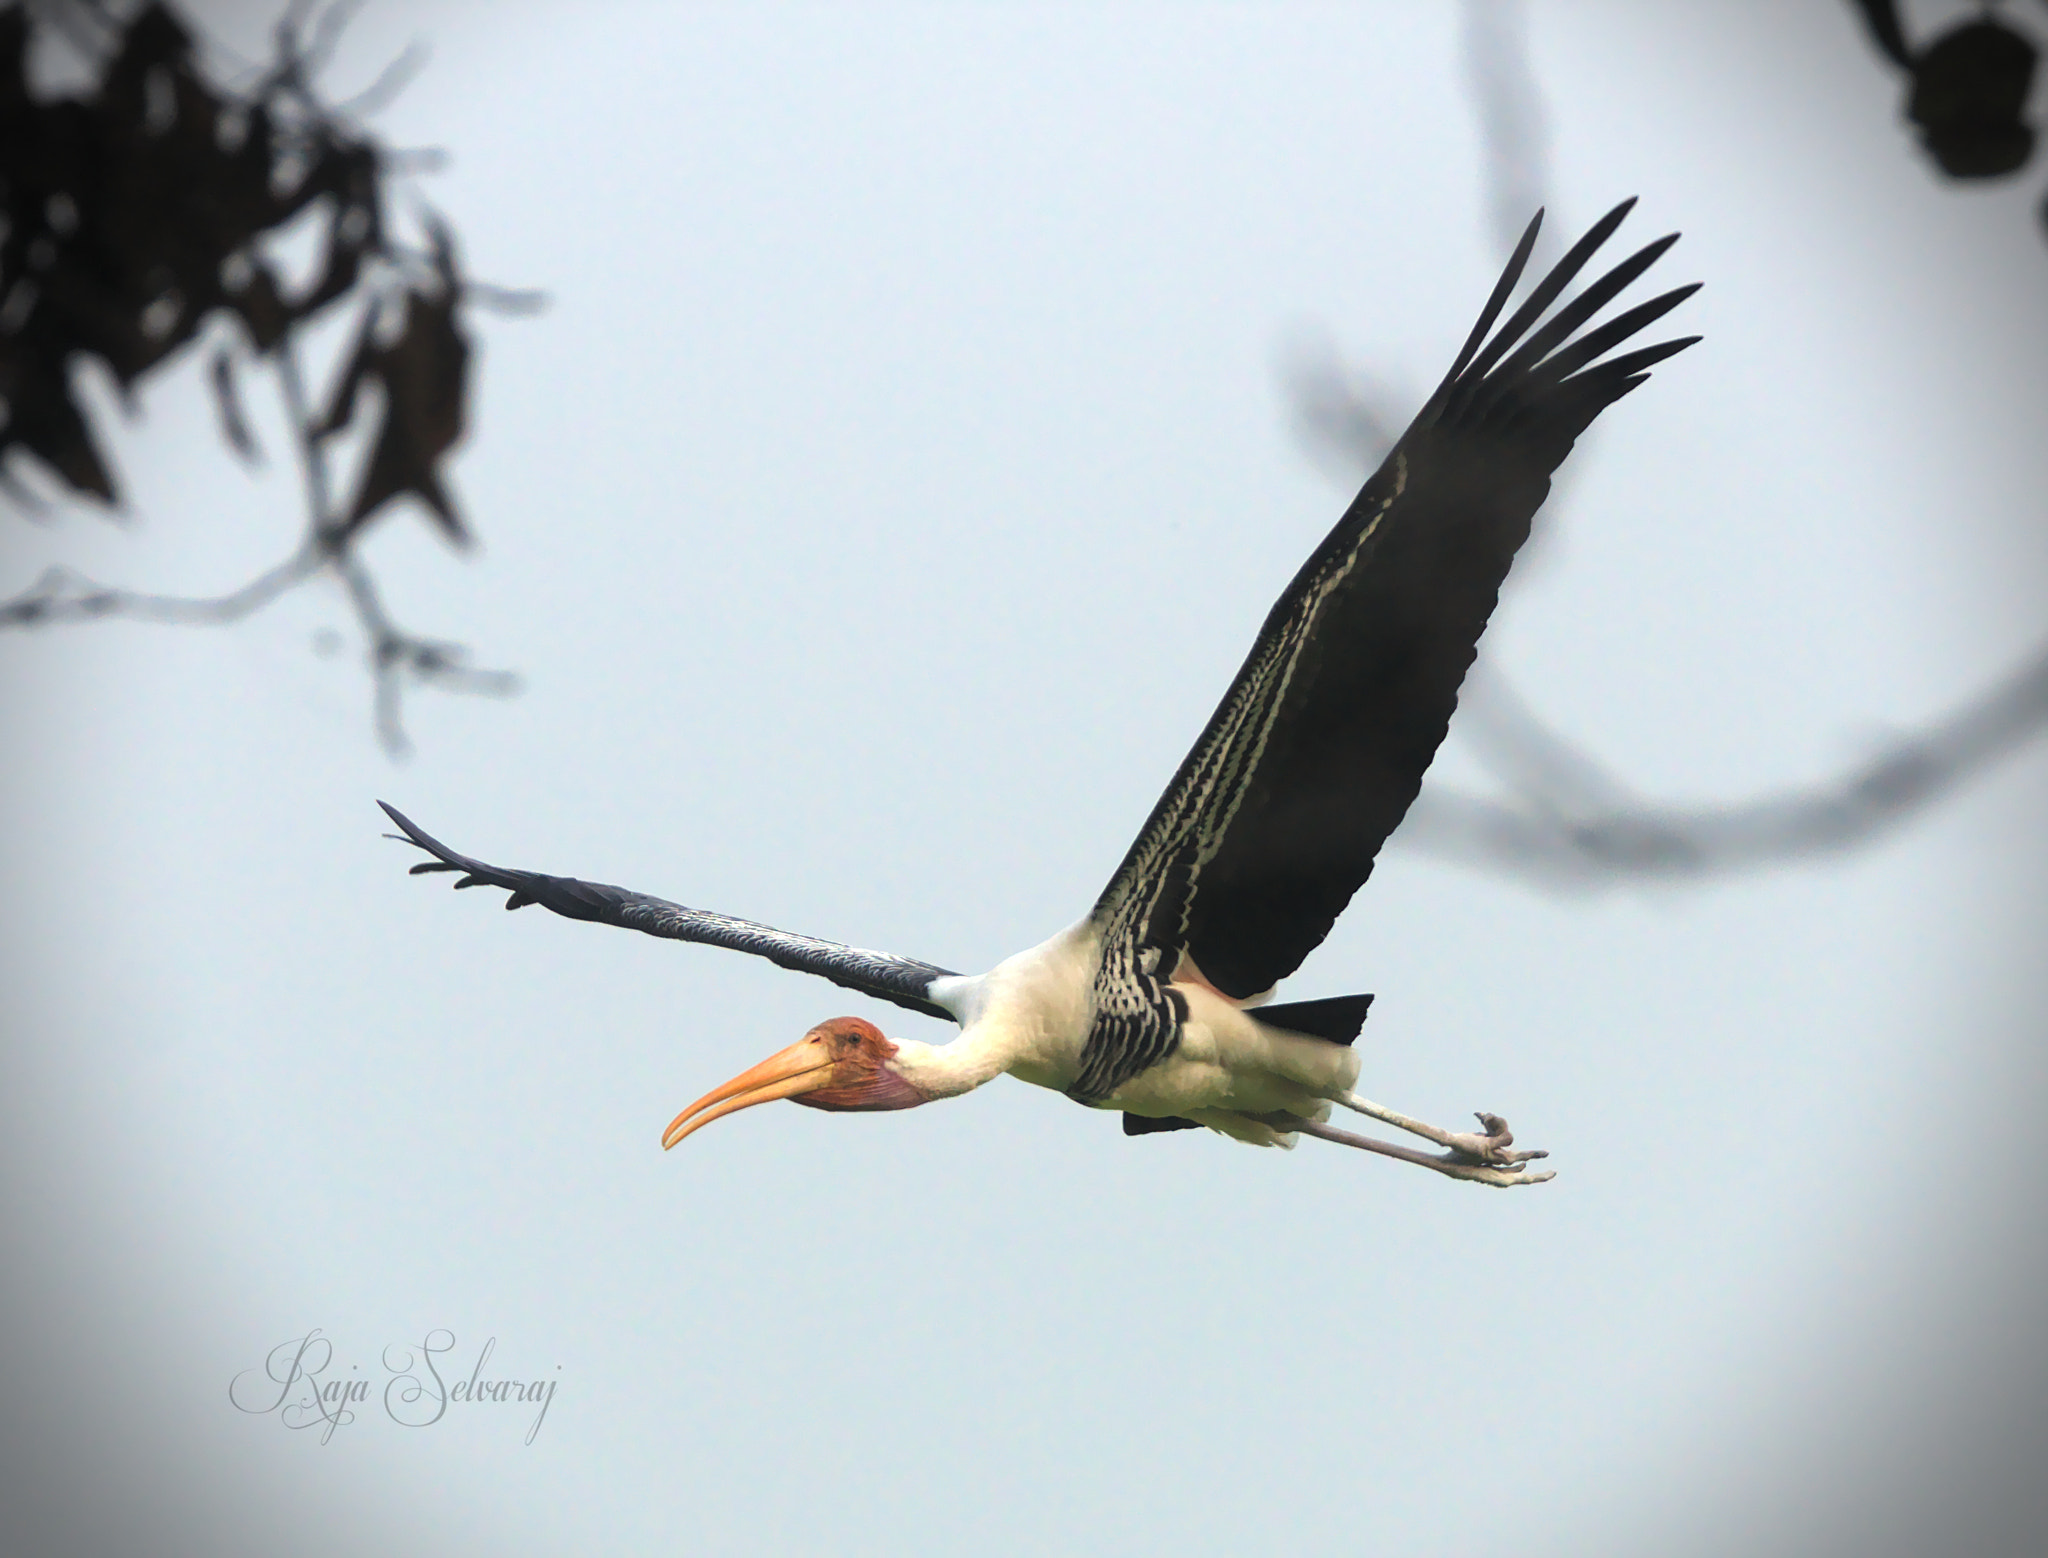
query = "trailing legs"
x=1486 y=1159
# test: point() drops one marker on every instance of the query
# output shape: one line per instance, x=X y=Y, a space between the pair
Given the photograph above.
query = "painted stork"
x=1154 y=1003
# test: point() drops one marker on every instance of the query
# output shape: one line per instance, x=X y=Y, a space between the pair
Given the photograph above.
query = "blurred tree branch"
x=1561 y=819
x=142 y=213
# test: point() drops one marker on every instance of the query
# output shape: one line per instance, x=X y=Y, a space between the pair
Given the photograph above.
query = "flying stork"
x=1154 y=1003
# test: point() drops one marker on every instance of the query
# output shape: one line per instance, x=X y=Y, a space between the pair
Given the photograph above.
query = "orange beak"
x=804 y=1067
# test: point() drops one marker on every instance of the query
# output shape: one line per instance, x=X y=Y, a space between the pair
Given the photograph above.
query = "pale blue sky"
x=893 y=485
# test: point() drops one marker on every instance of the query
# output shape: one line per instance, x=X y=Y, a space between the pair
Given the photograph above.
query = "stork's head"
x=842 y=1064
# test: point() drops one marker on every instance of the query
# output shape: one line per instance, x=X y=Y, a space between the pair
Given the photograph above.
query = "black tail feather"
x=1336 y=1018
x=1146 y=1125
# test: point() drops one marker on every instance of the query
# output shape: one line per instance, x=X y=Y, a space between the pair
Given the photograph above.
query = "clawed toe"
x=1492 y=1148
x=1506 y=1177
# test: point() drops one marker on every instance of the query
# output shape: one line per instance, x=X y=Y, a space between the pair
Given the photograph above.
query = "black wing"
x=904 y=981
x=1319 y=746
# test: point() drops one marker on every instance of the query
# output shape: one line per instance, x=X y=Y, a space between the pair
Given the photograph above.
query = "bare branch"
x=506 y=302
x=1564 y=819
x=1882 y=18
x=63 y=596
x=1565 y=823
x=328 y=27
x=396 y=655
x=392 y=80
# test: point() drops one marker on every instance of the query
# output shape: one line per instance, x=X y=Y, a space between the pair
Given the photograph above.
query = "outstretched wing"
x=904 y=981
x=1319 y=746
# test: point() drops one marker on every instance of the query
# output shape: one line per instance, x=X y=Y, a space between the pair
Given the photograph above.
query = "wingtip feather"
x=1503 y=289
x=1476 y=361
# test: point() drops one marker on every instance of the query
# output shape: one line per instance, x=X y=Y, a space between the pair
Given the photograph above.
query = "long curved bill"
x=802 y=1068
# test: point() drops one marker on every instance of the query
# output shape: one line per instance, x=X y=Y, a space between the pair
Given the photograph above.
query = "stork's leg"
x=1490 y=1148
x=1503 y=1170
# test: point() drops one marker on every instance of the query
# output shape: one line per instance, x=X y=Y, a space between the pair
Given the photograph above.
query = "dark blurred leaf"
x=1969 y=90
x=154 y=39
x=13 y=62
x=425 y=374
x=263 y=311
x=44 y=419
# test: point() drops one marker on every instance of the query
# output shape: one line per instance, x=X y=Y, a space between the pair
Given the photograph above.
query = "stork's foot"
x=1488 y=1159
x=1505 y=1171
x=1490 y=1148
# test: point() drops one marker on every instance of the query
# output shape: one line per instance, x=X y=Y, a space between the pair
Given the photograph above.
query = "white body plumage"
x=1031 y=1014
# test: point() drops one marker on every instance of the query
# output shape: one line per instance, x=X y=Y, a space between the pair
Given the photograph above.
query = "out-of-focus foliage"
x=136 y=211
x=1966 y=90
x=424 y=371
x=147 y=211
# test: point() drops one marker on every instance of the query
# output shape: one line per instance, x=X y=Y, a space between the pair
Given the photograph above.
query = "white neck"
x=1029 y=1013
x=948 y=1070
